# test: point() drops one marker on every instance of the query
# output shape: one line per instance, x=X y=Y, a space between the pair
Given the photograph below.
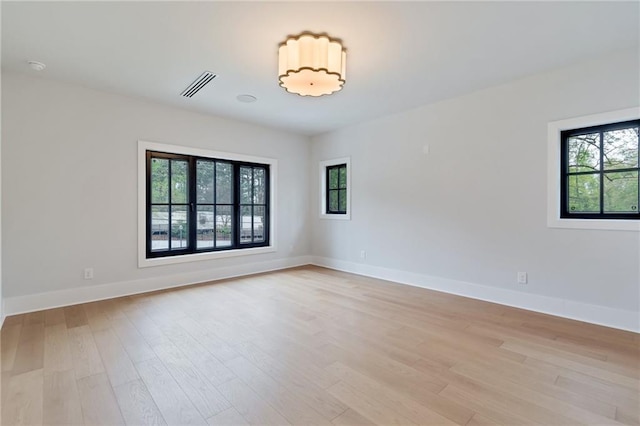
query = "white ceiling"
x=399 y=54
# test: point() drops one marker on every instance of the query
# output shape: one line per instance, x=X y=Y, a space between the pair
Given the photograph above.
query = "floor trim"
x=595 y=314
x=72 y=296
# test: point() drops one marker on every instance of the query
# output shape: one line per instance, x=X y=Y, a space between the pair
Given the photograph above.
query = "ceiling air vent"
x=198 y=84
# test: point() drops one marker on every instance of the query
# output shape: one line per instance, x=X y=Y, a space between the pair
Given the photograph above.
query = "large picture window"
x=600 y=172
x=198 y=204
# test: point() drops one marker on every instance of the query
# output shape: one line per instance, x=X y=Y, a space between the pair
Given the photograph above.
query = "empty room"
x=336 y=213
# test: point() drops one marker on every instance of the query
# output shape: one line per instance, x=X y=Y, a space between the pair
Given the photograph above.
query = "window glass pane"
x=245 y=185
x=159 y=228
x=621 y=192
x=245 y=224
x=224 y=183
x=584 y=153
x=258 y=224
x=204 y=181
x=179 y=228
x=224 y=228
x=204 y=230
x=342 y=200
x=333 y=201
x=343 y=177
x=159 y=180
x=584 y=193
x=333 y=178
x=179 y=181
x=621 y=148
x=259 y=181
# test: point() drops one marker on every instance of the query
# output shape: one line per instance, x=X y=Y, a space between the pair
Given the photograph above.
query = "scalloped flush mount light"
x=311 y=64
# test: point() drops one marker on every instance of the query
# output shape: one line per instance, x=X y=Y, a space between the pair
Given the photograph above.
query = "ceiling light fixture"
x=311 y=65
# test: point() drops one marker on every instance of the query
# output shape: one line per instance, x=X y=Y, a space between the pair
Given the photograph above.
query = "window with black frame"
x=197 y=204
x=600 y=172
x=336 y=189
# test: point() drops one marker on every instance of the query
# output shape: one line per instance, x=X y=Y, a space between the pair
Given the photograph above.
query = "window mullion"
x=236 y=205
x=253 y=182
x=601 y=172
x=214 y=207
x=170 y=209
x=191 y=204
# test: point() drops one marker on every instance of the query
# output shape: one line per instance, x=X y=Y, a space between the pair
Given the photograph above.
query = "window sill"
x=196 y=257
x=335 y=216
x=596 y=224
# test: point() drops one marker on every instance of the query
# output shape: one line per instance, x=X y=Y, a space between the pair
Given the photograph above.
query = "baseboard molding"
x=73 y=296
x=595 y=314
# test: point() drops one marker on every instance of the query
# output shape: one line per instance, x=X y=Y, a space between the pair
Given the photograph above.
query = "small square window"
x=592 y=171
x=599 y=172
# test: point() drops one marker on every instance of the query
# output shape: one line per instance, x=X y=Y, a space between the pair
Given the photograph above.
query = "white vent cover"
x=198 y=84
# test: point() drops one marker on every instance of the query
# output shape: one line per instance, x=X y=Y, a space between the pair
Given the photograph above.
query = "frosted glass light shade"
x=311 y=65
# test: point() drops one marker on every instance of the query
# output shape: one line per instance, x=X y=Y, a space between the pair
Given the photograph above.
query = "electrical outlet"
x=88 y=273
x=363 y=254
x=522 y=278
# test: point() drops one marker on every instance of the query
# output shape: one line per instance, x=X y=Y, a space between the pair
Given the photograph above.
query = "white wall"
x=470 y=214
x=2 y=314
x=69 y=194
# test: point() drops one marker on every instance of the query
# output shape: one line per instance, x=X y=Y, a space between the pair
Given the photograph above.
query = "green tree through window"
x=600 y=172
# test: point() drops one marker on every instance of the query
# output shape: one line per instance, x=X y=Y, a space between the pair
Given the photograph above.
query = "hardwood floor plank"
x=116 y=361
x=57 y=352
x=366 y=406
x=137 y=405
x=22 y=398
x=497 y=413
x=33 y=318
x=96 y=317
x=401 y=403
x=132 y=341
x=351 y=418
x=308 y=383
x=54 y=317
x=61 y=399
x=10 y=337
x=99 y=405
x=252 y=408
x=174 y=405
x=85 y=355
x=202 y=393
x=542 y=399
x=229 y=417
x=290 y=405
x=215 y=371
x=30 y=351
x=75 y=316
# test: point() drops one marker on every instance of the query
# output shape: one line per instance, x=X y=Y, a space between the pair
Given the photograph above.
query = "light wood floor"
x=313 y=346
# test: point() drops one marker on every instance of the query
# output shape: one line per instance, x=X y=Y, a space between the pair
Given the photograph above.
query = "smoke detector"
x=36 y=66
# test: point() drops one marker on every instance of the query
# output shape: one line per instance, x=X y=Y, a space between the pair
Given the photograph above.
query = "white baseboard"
x=54 y=299
x=602 y=315
x=595 y=314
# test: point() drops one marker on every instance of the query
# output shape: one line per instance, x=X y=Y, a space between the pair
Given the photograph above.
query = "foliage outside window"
x=336 y=185
x=600 y=172
x=197 y=204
